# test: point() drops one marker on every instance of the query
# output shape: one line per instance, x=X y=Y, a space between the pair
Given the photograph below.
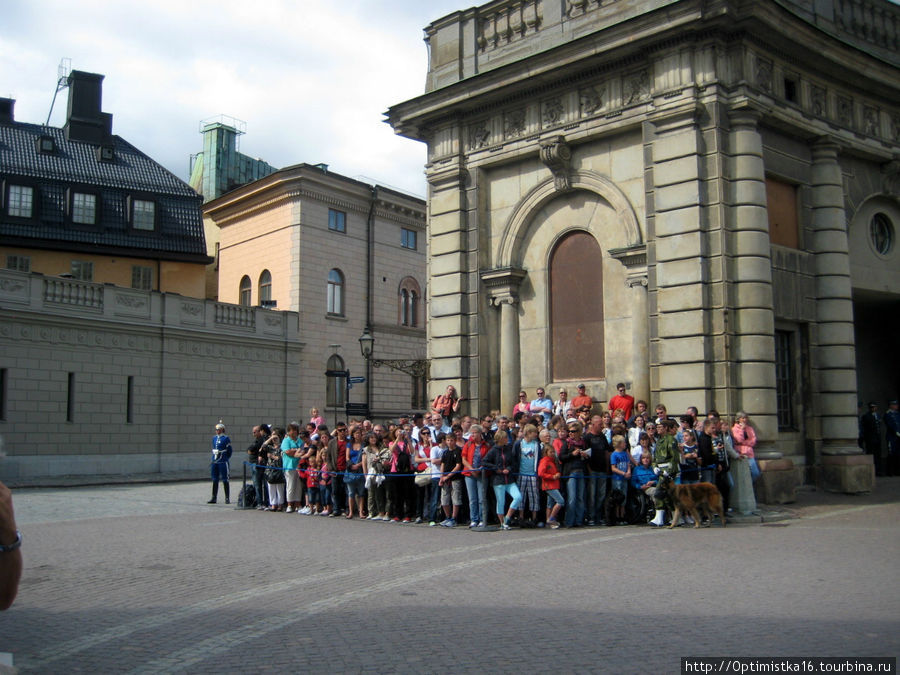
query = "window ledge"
x=336 y=317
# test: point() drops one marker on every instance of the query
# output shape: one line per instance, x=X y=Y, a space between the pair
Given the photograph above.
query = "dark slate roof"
x=76 y=161
x=179 y=232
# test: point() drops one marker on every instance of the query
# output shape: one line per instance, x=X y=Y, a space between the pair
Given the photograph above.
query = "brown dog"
x=692 y=499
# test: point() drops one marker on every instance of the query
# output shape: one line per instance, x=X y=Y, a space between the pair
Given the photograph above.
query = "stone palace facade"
x=696 y=197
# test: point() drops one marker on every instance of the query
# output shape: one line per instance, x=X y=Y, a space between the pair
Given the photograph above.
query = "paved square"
x=150 y=579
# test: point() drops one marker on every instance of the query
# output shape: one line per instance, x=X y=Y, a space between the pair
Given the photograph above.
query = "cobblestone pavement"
x=148 y=578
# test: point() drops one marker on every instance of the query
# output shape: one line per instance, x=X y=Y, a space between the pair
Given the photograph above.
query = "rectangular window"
x=19 y=263
x=129 y=400
x=781 y=203
x=141 y=278
x=82 y=270
x=70 y=399
x=408 y=238
x=84 y=208
x=337 y=220
x=143 y=214
x=784 y=380
x=21 y=201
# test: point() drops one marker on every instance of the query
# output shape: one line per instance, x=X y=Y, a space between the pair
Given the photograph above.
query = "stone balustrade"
x=40 y=294
x=486 y=37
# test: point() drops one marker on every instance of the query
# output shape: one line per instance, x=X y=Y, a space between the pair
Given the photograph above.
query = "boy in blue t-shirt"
x=620 y=465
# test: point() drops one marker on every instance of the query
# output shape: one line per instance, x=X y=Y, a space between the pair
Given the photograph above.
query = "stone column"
x=751 y=329
x=678 y=260
x=750 y=333
x=640 y=338
x=845 y=467
x=503 y=287
x=510 y=372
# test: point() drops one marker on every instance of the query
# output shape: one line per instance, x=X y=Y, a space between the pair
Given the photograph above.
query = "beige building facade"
x=347 y=256
x=695 y=198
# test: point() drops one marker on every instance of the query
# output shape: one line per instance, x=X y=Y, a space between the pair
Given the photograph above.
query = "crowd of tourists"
x=546 y=464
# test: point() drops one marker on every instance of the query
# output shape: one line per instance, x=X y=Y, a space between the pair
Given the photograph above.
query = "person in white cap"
x=218 y=467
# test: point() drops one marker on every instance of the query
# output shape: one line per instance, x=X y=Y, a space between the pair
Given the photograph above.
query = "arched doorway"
x=576 y=308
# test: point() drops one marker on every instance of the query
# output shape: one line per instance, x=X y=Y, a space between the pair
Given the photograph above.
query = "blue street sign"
x=357 y=380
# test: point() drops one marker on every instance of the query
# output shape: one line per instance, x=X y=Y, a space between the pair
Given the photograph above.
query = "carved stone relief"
x=552 y=112
x=514 y=123
x=819 y=101
x=764 y=74
x=845 y=111
x=870 y=121
x=637 y=87
x=591 y=99
x=479 y=135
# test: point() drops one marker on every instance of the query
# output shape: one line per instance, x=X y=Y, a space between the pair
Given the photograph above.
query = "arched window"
x=409 y=296
x=265 y=287
x=335 y=382
x=335 y=302
x=245 y=291
x=576 y=308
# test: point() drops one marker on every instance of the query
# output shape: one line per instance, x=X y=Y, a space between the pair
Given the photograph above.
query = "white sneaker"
x=290 y=509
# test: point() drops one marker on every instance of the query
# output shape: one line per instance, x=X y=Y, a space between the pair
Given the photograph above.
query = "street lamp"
x=412 y=367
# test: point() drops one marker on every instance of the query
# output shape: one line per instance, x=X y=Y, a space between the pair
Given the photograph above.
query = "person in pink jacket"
x=744 y=439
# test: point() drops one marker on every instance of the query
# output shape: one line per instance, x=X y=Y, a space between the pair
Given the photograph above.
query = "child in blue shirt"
x=620 y=465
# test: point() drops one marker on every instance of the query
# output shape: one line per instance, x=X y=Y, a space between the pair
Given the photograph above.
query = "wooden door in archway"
x=576 y=308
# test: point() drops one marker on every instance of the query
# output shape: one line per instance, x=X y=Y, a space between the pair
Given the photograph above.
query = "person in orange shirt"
x=582 y=401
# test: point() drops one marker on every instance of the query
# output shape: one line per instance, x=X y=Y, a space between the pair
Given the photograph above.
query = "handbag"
x=423 y=478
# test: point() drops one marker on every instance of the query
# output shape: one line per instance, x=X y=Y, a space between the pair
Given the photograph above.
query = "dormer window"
x=46 y=145
x=106 y=153
x=21 y=201
x=143 y=214
x=84 y=208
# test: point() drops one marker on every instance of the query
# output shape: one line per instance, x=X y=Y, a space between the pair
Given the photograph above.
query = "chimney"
x=84 y=120
x=6 y=110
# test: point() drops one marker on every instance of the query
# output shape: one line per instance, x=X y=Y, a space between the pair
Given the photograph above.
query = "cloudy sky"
x=311 y=78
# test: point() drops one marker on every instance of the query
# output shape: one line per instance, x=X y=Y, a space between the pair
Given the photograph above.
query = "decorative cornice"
x=631 y=256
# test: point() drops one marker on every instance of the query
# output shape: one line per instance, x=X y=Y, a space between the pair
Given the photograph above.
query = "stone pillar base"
x=850 y=474
x=777 y=483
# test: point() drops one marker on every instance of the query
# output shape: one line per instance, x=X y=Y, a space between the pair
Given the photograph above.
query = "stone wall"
x=100 y=379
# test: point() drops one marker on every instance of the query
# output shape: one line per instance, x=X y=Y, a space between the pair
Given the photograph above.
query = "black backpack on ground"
x=247 y=497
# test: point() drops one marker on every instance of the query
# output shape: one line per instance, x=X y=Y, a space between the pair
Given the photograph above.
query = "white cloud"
x=311 y=78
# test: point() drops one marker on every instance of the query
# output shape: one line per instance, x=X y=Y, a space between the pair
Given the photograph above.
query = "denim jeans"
x=259 y=484
x=500 y=491
x=575 y=498
x=432 y=499
x=473 y=489
x=754 y=468
x=596 y=493
x=338 y=494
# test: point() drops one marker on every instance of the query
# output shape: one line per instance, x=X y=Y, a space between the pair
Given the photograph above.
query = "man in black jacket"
x=257 y=459
x=598 y=464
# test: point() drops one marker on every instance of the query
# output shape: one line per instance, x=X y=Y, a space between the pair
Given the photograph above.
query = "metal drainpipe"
x=370 y=284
